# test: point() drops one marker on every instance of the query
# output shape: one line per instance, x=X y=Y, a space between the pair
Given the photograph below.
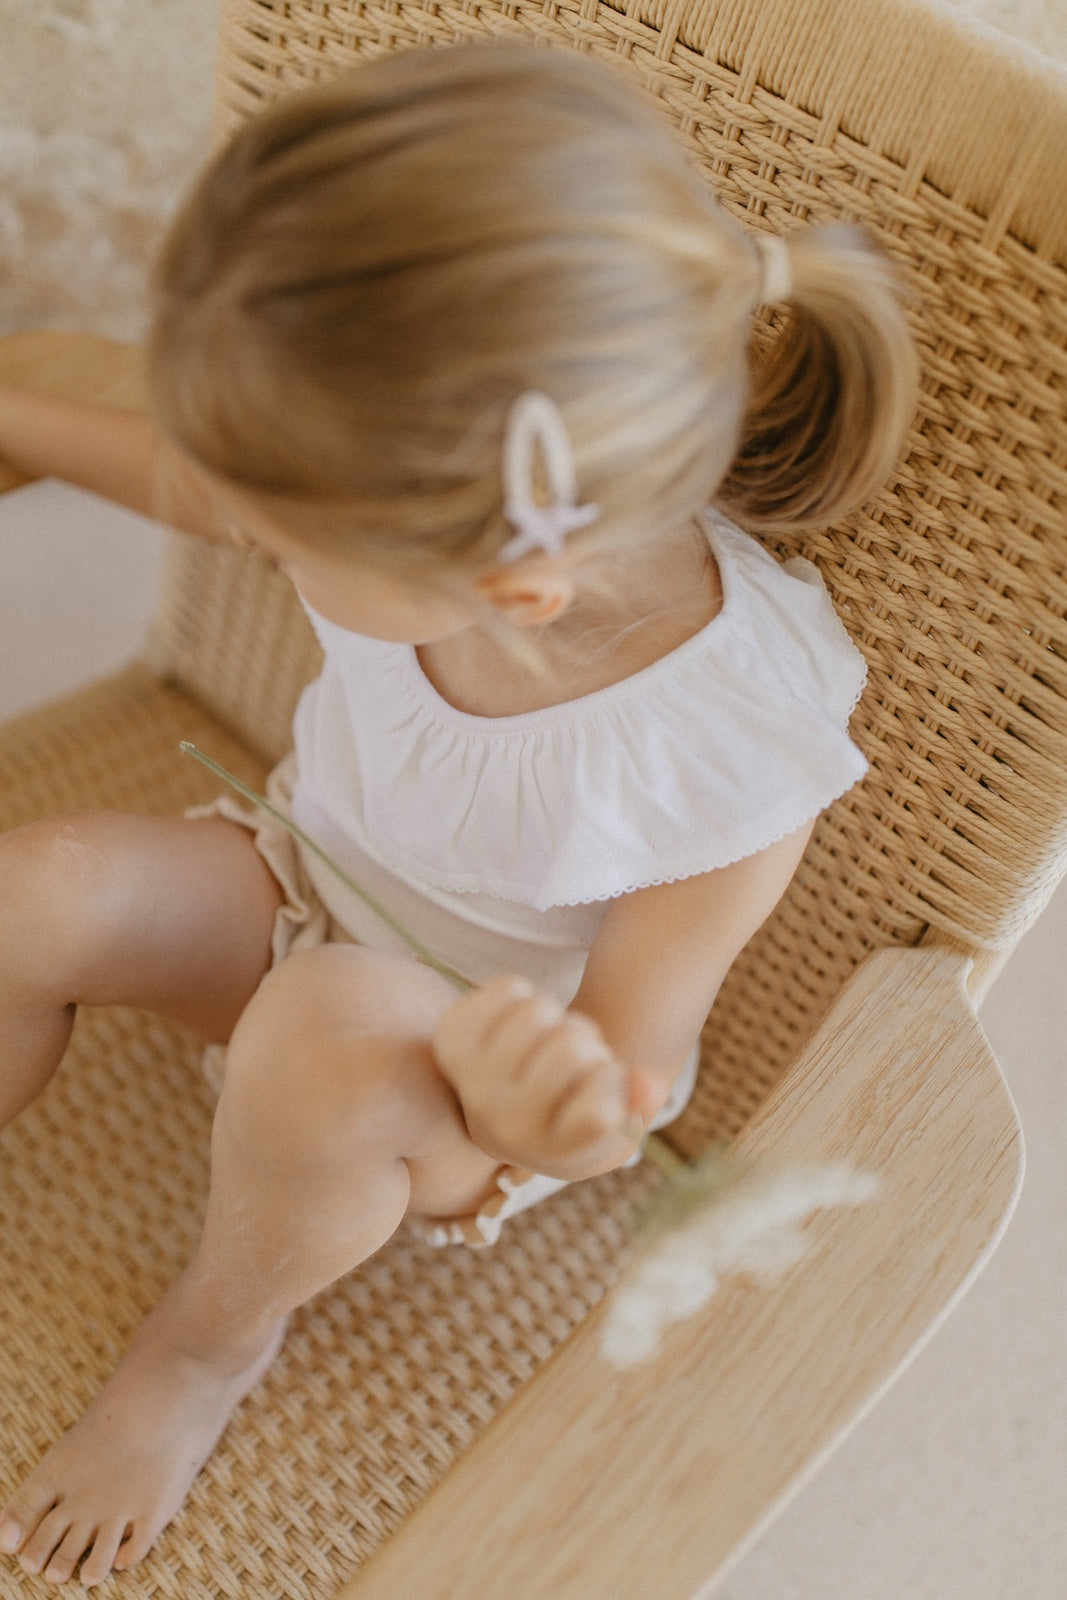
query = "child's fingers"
x=566 y=1057
x=603 y=1101
x=575 y=1097
x=645 y=1096
x=552 y=1052
x=508 y=1023
x=521 y=1033
x=583 y=1088
x=467 y=1026
x=591 y=1111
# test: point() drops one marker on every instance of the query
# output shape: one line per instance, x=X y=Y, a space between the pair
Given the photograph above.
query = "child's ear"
x=530 y=592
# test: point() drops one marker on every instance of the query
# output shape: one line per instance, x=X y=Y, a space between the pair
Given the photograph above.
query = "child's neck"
x=672 y=591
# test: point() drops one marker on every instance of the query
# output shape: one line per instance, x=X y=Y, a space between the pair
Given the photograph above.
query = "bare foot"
x=111 y=1485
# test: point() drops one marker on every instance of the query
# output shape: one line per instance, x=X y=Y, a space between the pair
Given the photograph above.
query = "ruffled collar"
x=715 y=751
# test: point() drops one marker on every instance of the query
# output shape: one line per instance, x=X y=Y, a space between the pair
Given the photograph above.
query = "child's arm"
x=541 y=1088
x=115 y=453
x=96 y=447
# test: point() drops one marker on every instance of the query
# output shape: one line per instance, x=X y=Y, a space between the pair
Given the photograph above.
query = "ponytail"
x=831 y=394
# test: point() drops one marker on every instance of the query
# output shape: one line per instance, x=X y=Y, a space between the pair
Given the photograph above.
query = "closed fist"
x=538 y=1084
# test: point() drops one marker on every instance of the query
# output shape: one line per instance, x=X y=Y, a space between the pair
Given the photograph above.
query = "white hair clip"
x=534 y=423
x=776 y=269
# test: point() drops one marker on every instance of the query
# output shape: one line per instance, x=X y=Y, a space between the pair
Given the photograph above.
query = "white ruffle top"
x=499 y=841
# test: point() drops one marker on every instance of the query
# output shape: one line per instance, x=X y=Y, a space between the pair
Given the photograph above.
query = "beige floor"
x=955 y=1487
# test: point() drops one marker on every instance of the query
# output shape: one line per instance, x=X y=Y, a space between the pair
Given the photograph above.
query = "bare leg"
x=334 y=1120
x=104 y=908
x=101 y=908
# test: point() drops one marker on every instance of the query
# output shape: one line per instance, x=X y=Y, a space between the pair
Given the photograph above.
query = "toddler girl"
x=463 y=344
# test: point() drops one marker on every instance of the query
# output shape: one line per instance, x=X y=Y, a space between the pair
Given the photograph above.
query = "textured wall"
x=1042 y=23
x=104 y=108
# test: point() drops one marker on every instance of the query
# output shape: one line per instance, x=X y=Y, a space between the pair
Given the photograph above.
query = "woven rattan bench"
x=442 y=1426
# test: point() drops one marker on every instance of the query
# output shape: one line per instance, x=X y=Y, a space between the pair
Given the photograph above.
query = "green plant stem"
x=412 y=943
x=662 y=1156
x=673 y=1168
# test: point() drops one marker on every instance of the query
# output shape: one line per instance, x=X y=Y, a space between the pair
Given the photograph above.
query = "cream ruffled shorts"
x=304 y=923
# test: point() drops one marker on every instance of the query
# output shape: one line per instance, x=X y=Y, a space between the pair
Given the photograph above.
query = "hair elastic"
x=776 y=269
x=535 y=425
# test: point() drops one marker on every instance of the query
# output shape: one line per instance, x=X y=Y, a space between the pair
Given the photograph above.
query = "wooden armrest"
x=597 y=1483
x=77 y=366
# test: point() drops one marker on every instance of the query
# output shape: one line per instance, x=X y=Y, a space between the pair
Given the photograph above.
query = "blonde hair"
x=373 y=269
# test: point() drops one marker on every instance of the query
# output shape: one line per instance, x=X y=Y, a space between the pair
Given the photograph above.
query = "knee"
x=333 y=1052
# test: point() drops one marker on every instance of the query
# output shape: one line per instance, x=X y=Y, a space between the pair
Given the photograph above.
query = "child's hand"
x=538 y=1084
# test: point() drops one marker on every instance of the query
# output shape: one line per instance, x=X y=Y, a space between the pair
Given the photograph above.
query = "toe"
x=49 y=1533
x=99 y=1564
x=69 y=1552
x=134 y=1547
x=22 y=1514
x=12 y=1534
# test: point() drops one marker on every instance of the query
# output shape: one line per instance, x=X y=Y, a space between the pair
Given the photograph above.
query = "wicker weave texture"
x=383 y=1380
x=979 y=121
x=954 y=580
x=232 y=634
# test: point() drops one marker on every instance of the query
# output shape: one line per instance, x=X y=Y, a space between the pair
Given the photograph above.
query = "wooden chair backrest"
x=953 y=581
